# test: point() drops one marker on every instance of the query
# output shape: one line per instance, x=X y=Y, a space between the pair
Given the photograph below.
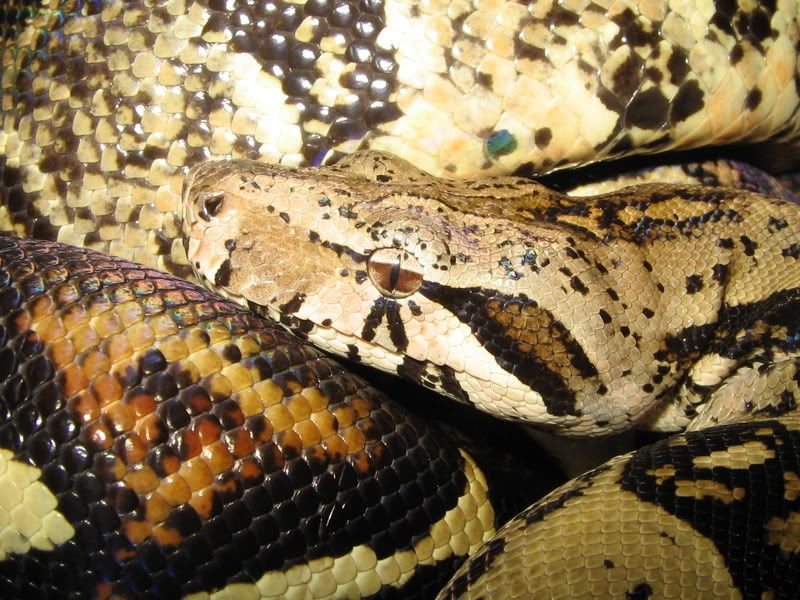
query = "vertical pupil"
x=394 y=274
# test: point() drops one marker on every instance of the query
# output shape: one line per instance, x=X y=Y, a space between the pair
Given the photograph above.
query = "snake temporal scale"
x=158 y=441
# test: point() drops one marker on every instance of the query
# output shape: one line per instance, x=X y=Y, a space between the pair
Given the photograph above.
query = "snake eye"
x=394 y=272
x=210 y=204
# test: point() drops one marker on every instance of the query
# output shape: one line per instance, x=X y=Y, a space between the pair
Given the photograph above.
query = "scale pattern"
x=656 y=306
x=105 y=104
x=156 y=441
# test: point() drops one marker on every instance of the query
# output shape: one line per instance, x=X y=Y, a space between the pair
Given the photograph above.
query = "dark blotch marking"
x=642 y=591
x=694 y=283
x=688 y=101
x=749 y=245
x=223 y=275
x=647 y=110
x=542 y=137
x=753 y=99
x=720 y=273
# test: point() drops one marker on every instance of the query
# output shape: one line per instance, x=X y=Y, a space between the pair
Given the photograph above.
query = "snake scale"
x=159 y=441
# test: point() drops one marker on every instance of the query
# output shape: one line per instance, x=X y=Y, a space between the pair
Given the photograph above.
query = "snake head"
x=377 y=261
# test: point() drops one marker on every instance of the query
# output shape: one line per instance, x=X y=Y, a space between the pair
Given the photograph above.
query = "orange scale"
x=141 y=479
x=248 y=346
x=111 y=467
x=75 y=315
x=227 y=484
x=107 y=325
x=141 y=336
x=65 y=294
x=280 y=418
x=271 y=457
x=156 y=508
x=361 y=407
x=174 y=490
x=72 y=379
x=117 y=347
x=41 y=307
x=326 y=423
x=84 y=406
x=290 y=443
x=195 y=399
x=184 y=372
x=51 y=328
x=97 y=435
x=203 y=503
x=218 y=386
x=317 y=400
x=195 y=338
x=238 y=376
x=131 y=449
x=173 y=348
x=206 y=361
x=260 y=429
x=249 y=470
x=318 y=457
x=119 y=417
x=169 y=464
x=136 y=531
x=207 y=428
x=298 y=406
x=345 y=416
x=60 y=352
x=217 y=333
x=249 y=401
x=361 y=463
x=150 y=430
x=94 y=363
x=217 y=457
x=308 y=432
x=239 y=442
x=129 y=313
x=185 y=444
x=167 y=536
x=269 y=392
x=140 y=402
x=84 y=338
x=102 y=591
x=371 y=431
x=163 y=326
x=354 y=439
x=196 y=474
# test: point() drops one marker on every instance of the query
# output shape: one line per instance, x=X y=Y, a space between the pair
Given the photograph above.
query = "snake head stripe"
x=575 y=314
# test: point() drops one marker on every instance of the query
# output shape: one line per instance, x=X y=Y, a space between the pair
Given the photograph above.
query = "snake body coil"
x=168 y=443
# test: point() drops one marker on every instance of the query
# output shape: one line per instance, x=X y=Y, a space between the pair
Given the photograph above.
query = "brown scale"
x=170 y=424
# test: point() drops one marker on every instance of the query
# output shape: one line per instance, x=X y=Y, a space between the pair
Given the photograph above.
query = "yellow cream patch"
x=28 y=515
x=462 y=530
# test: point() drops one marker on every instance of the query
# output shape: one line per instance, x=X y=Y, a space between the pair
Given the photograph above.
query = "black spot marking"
x=542 y=137
x=647 y=109
x=694 y=283
x=749 y=245
x=688 y=101
x=608 y=564
x=293 y=305
x=649 y=313
x=642 y=591
x=720 y=273
x=753 y=99
x=578 y=285
x=604 y=316
x=793 y=251
x=726 y=243
x=223 y=275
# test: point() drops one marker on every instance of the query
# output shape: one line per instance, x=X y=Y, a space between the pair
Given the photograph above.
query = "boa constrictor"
x=167 y=443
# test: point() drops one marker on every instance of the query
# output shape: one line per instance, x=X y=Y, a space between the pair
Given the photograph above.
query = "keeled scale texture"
x=191 y=446
x=707 y=514
x=106 y=104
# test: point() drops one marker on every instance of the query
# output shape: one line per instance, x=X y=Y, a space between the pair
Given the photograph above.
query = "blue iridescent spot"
x=500 y=143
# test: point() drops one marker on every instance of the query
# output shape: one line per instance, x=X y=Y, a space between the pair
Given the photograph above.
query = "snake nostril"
x=210 y=204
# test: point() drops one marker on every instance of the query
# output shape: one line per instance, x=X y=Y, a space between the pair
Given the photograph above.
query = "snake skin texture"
x=105 y=104
x=653 y=305
x=154 y=460
x=158 y=441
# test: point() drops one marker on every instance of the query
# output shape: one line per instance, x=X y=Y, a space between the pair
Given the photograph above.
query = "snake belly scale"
x=168 y=443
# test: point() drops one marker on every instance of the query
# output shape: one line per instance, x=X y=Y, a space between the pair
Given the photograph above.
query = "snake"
x=161 y=437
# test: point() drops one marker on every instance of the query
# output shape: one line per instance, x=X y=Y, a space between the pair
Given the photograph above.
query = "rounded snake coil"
x=157 y=441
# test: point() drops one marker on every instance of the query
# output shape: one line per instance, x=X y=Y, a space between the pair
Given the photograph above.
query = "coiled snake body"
x=168 y=443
